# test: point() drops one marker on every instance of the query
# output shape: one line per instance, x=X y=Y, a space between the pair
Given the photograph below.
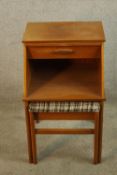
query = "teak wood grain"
x=64 y=32
x=64 y=61
x=64 y=80
x=64 y=131
x=65 y=116
x=83 y=32
x=64 y=52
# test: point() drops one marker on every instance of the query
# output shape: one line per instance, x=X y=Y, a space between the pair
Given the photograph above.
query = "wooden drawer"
x=38 y=52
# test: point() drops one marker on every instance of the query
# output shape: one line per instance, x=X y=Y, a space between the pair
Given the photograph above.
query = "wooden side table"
x=64 y=63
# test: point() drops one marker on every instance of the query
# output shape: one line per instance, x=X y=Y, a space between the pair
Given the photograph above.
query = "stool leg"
x=36 y=117
x=33 y=137
x=96 y=139
x=28 y=133
x=100 y=131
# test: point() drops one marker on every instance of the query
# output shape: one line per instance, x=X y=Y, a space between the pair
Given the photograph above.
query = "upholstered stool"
x=64 y=107
x=67 y=110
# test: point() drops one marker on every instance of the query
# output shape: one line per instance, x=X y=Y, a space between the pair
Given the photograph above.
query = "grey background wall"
x=14 y=14
x=63 y=155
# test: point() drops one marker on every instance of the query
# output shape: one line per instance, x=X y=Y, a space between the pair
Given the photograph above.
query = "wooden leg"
x=100 y=131
x=96 y=139
x=33 y=137
x=28 y=133
x=36 y=117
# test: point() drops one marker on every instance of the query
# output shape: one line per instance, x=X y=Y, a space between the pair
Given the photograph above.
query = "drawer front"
x=38 y=52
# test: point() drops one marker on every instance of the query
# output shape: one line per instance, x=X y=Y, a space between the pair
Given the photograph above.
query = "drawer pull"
x=63 y=51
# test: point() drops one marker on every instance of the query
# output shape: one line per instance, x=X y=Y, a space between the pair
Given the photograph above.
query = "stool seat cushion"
x=68 y=106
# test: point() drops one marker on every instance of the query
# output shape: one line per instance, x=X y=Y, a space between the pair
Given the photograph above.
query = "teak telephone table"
x=64 y=78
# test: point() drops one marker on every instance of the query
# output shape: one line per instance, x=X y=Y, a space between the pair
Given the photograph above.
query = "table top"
x=64 y=32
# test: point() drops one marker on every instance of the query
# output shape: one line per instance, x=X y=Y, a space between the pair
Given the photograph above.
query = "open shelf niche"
x=66 y=79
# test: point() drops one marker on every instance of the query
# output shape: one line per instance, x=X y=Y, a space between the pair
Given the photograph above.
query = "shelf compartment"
x=58 y=80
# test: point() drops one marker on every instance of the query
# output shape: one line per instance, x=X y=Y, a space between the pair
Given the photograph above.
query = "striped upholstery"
x=64 y=106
